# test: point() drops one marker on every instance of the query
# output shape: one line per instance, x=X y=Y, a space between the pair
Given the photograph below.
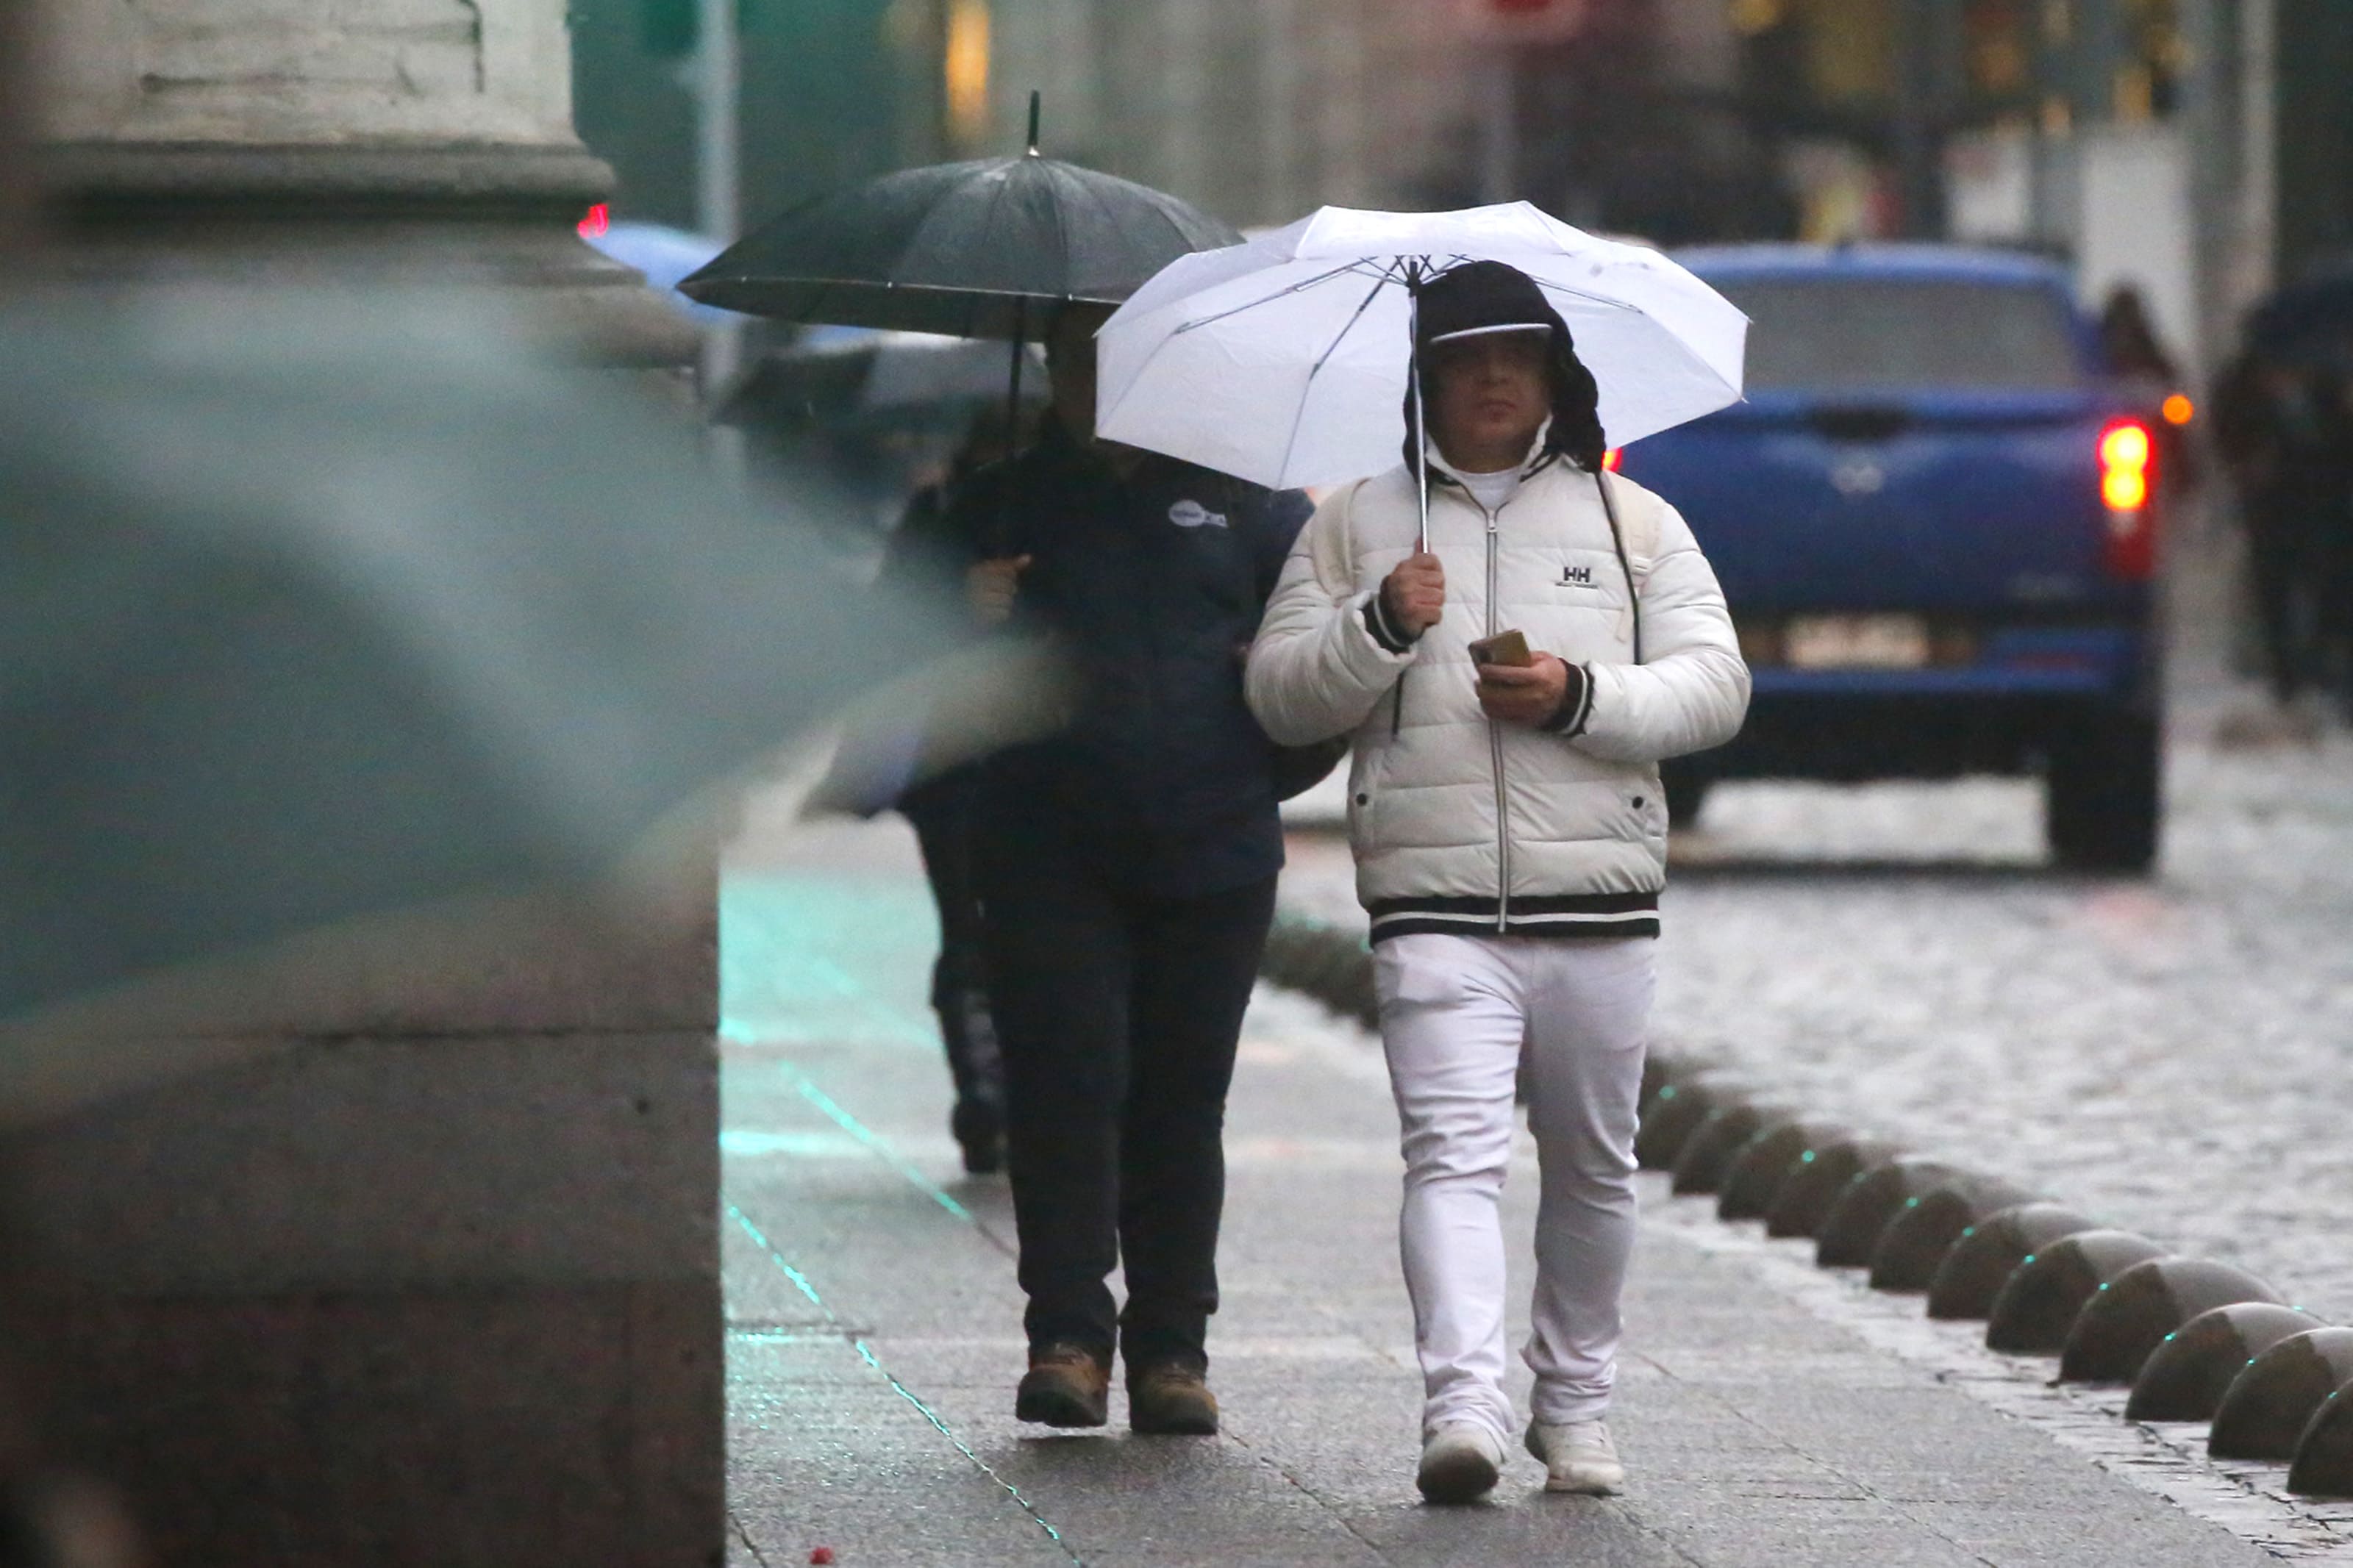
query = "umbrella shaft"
x=1013 y=393
x=1421 y=435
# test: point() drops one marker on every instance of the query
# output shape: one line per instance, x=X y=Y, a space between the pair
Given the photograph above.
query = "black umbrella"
x=976 y=249
x=979 y=249
x=2309 y=319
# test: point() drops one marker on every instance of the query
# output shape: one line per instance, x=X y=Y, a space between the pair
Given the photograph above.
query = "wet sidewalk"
x=874 y=1331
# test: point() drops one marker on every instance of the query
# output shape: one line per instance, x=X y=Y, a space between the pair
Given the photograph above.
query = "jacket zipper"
x=1495 y=748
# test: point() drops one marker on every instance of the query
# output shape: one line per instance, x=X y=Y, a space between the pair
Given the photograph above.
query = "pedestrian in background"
x=1510 y=837
x=2137 y=359
x=1128 y=867
x=926 y=551
x=2286 y=430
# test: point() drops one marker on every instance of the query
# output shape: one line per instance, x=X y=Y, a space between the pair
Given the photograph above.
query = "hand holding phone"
x=1505 y=648
x=1528 y=691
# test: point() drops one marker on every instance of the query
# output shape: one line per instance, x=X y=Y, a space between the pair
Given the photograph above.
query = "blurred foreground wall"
x=415 y=1260
x=416 y=1264
x=263 y=140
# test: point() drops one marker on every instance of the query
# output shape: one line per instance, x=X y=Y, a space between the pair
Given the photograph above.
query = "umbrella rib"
x=1387 y=273
x=1619 y=305
x=1107 y=414
x=997 y=198
x=1110 y=220
x=1460 y=258
x=1062 y=228
x=1388 y=276
x=1586 y=294
x=1302 y=286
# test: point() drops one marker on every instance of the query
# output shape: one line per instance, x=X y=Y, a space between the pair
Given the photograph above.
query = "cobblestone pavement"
x=2174 y=1055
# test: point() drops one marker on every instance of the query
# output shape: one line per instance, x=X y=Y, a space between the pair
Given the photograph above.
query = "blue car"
x=1936 y=523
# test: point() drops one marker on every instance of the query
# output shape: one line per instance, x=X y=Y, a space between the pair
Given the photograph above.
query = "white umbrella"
x=1284 y=360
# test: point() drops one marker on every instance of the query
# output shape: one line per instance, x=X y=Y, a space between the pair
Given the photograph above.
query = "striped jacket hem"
x=1571 y=915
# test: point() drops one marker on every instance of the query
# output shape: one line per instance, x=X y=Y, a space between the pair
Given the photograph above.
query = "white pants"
x=1454 y=1013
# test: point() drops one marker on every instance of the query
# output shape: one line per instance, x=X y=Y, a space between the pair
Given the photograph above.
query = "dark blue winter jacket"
x=1152 y=583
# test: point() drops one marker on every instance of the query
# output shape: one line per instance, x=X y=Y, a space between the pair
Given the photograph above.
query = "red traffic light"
x=1524 y=21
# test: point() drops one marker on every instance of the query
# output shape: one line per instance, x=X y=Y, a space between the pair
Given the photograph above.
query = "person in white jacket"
x=1510 y=838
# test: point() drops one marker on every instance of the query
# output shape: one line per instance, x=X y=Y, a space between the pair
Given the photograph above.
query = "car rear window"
x=1858 y=334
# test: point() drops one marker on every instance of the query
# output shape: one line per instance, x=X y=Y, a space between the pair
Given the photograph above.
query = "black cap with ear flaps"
x=1486 y=295
x=1481 y=297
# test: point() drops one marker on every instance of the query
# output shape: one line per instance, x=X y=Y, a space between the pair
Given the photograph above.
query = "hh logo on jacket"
x=1189 y=513
x=1577 y=576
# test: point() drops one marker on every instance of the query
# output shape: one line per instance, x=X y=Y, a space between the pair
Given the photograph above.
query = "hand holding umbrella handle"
x=990 y=587
x=1414 y=593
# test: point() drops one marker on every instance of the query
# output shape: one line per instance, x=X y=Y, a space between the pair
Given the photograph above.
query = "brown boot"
x=1067 y=1385
x=1171 y=1400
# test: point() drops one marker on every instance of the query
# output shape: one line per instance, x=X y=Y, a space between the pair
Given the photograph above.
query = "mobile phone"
x=1504 y=648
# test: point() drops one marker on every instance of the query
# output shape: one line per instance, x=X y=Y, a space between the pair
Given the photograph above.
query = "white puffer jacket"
x=1461 y=823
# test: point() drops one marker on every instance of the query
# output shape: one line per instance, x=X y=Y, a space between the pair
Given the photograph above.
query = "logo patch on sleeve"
x=1190 y=513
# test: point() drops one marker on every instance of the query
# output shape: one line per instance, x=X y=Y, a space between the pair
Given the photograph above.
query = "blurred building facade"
x=2196 y=149
x=1254 y=109
x=1258 y=110
x=831 y=94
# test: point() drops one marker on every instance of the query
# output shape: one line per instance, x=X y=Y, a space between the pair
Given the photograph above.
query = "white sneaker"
x=1460 y=1463
x=1578 y=1456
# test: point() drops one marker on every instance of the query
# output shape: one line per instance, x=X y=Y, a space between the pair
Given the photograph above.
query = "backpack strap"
x=1625 y=563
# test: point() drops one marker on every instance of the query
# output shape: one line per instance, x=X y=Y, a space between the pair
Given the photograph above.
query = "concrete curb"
x=2051 y=1269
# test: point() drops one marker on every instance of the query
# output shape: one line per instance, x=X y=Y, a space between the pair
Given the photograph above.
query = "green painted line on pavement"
x=770 y=932
x=866 y=1353
x=749 y=1145
x=783 y=941
x=866 y=1135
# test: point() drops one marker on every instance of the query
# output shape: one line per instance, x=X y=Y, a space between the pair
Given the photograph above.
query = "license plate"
x=1855 y=642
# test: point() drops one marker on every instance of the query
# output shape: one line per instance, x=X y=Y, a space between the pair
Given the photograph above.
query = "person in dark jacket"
x=2285 y=429
x=1128 y=867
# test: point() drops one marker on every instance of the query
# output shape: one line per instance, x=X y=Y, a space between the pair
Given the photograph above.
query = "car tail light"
x=599 y=219
x=2127 y=458
x=1612 y=459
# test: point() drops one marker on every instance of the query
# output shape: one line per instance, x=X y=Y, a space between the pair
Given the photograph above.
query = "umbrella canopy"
x=978 y=249
x=2309 y=320
x=318 y=606
x=854 y=375
x=1284 y=360
x=913 y=369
